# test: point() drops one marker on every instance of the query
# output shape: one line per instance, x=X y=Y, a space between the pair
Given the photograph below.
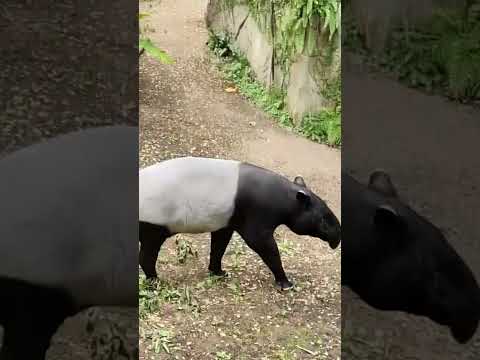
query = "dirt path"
x=414 y=137
x=184 y=110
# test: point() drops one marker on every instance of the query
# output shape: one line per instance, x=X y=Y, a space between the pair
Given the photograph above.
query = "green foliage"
x=145 y=45
x=152 y=294
x=184 y=250
x=223 y=355
x=456 y=51
x=238 y=71
x=159 y=338
x=151 y=49
x=269 y=100
x=322 y=127
x=297 y=24
x=294 y=25
x=219 y=44
x=325 y=126
x=441 y=56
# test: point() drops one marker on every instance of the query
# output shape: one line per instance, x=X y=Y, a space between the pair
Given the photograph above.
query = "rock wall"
x=307 y=74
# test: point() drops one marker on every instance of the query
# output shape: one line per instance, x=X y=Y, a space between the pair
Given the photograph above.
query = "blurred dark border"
x=401 y=113
x=69 y=65
x=66 y=65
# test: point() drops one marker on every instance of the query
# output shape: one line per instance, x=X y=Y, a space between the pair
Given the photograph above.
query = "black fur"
x=395 y=259
x=33 y=315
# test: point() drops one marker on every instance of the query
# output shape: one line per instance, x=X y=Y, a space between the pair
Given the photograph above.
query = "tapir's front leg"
x=263 y=243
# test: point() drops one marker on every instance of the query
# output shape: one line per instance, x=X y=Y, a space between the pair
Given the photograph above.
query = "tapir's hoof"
x=152 y=278
x=285 y=285
x=220 y=273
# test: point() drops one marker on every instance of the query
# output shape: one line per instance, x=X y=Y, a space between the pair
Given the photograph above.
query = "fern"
x=145 y=45
x=457 y=51
x=441 y=56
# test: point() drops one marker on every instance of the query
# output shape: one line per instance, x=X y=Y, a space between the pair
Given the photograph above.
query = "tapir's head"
x=312 y=216
x=419 y=271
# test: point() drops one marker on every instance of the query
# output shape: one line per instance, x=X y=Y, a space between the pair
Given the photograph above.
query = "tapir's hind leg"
x=263 y=243
x=34 y=315
x=219 y=242
x=151 y=239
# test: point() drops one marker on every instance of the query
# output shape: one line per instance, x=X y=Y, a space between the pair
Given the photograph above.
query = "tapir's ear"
x=299 y=181
x=303 y=197
x=381 y=182
x=387 y=217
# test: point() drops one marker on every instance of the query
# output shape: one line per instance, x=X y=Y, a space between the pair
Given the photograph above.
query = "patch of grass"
x=234 y=287
x=210 y=282
x=152 y=294
x=284 y=355
x=238 y=71
x=323 y=127
x=223 y=355
x=286 y=247
x=184 y=249
x=237 y=251
x=159 y=339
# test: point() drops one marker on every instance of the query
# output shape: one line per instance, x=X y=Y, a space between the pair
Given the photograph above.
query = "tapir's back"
x=188 y=194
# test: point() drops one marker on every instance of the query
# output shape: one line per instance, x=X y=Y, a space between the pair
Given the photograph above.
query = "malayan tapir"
x=199 y=195
x=68 y=233
x=395 y=259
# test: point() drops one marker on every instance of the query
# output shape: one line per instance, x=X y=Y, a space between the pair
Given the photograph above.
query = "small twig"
x=306 y=350
x=241 y=25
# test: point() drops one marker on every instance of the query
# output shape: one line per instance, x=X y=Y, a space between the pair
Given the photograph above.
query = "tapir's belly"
x=189 y=195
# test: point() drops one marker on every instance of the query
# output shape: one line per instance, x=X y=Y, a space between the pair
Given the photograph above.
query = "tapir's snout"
x=462 y=314
x=334 y=233
x=463 y=331
x=333 y=236
x=465 y=322
x=335 y=242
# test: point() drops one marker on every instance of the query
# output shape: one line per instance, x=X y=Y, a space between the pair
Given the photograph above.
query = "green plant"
x=297 y=24
x=456 y=51
x=322 y=127
x=325 y=126
x=219 y=44
x=152 y=294
x=223 y=355
x=440 y=56
x=286 y=247
x=146 y=45
x=238 y=71
x=209 y=282
x=160 y=339
x=294 y=26
x=184 y=249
